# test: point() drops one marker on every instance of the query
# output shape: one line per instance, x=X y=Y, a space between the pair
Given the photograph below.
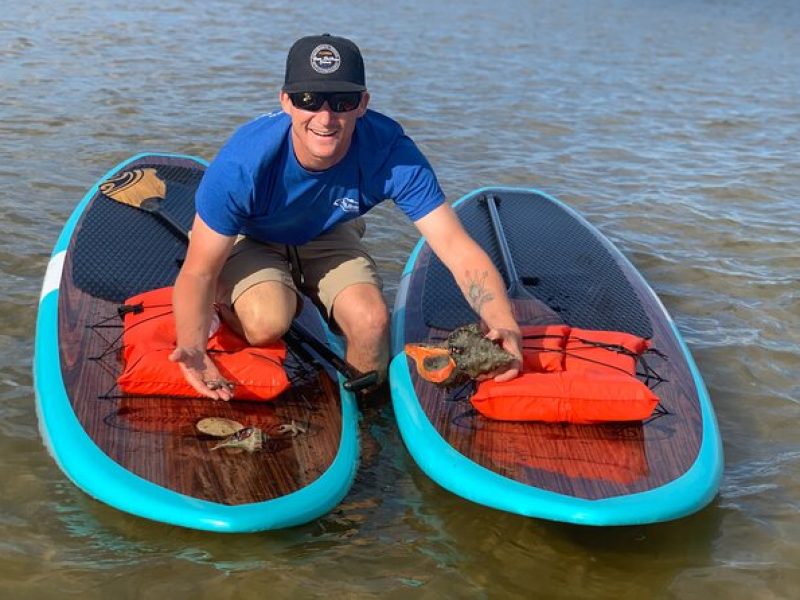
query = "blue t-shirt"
x=255 y=185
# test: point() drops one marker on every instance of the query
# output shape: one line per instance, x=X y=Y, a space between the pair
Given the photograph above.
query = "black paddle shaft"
x=297 y=334
x=542 y=314
x=154 y=207
x=355 y=380
x=515 y=289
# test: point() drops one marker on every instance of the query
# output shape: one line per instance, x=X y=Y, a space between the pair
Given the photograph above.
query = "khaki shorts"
x=319 y=269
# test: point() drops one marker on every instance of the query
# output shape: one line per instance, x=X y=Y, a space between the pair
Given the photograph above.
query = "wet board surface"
x=144 y=455
x=605 y=474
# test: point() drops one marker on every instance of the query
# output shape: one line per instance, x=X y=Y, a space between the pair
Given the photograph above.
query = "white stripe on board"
x=52 y=277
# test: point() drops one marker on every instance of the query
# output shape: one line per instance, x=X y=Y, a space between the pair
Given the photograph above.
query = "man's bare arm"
x=193 y=300
x=476 y=276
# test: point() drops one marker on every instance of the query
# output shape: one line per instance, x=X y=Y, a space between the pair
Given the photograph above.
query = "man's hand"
x=511 y=341
x=202 y=374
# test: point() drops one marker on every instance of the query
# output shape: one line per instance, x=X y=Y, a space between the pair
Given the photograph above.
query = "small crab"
x=249 y=438
x=236 y=435
x=293 y=429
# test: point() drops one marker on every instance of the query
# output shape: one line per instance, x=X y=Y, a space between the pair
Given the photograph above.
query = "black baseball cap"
x=324 y=63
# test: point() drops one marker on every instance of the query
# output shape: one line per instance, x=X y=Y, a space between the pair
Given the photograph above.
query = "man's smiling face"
x=322 y=138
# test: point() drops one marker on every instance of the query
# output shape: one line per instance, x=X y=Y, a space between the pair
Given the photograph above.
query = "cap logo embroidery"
x=325 y=59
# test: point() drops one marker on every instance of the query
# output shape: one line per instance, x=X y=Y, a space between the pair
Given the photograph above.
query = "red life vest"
x=543 y=347
x=571 y=375
x=149 y=338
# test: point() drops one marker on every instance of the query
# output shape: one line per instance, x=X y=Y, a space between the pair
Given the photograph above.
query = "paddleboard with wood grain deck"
x=145 y=456
x=606 y=474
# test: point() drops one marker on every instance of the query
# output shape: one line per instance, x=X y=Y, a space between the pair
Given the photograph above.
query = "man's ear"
x=286 y=103
x=364 y=103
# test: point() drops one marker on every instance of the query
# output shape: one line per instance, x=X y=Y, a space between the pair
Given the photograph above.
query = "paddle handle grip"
x=355 y=380
x=359 y=383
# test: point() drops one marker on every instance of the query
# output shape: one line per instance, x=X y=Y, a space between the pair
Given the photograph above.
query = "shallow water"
x=672 y=126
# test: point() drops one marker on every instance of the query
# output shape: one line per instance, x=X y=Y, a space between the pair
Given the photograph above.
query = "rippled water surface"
x=673 y=126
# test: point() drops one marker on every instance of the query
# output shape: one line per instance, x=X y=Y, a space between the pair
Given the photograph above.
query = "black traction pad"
x=559 y=260
x=120 y=251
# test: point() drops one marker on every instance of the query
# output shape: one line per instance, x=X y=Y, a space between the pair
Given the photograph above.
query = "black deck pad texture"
x=559 y=260
x=144 y=258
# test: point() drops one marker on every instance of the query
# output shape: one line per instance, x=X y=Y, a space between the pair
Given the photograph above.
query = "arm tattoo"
x=477 y=294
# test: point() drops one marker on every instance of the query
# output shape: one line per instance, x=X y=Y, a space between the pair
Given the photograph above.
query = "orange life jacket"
x=571 y=375
x=149 y=338
x=543 y=347
x=586 y=350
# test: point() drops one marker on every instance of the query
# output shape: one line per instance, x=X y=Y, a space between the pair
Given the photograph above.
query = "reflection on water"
x=673 y=127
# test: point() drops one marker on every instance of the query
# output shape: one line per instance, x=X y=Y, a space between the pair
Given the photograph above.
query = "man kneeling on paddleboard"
x=279 y=213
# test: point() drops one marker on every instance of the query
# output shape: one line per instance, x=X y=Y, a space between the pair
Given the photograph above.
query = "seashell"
x=433 y=362
x=218 y=426
x=465 y=354
x=476 y=354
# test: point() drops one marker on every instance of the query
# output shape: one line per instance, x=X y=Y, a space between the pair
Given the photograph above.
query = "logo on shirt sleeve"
x=347 y=204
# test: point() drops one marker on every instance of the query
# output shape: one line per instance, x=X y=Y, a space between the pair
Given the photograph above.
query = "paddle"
x=355 y=380
x=143 y=189
x=516 y=289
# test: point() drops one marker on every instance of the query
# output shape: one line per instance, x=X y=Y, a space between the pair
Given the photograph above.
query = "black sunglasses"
x=338 y=101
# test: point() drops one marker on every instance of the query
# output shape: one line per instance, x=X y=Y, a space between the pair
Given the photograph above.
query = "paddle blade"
x=134 y=187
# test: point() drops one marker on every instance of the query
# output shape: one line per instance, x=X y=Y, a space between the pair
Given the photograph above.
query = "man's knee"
x=371 y=325
x=263 y=329
x=363 y=317
x=265 y=314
